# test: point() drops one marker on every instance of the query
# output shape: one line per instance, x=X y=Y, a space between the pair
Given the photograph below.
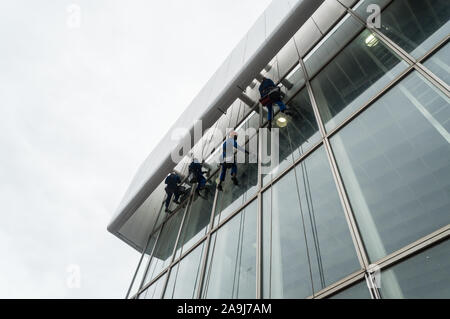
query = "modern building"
x=359 y=203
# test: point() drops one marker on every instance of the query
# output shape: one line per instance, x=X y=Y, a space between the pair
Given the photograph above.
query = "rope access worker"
x=195 y=170
x=172 y=180
x=270 y=94
x=229 y=158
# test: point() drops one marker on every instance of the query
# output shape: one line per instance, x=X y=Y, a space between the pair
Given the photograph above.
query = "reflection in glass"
x=198 y=217
x=416 y=26
x=297 y=137
x=306 y=240
x=357 y=291
x=185 y=276
x=425 y=275
x=162 y=254
x=439 y=63
x=155 y=290
x=394 y=160
x=231 y=267
x=355 y=75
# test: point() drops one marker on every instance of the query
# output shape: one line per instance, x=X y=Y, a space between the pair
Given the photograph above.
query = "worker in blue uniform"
x=228 y=159
x=270 y=94
x=172 y=181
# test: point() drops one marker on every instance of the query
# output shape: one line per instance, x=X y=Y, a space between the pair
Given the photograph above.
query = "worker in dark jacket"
x=172 y=188
x=195 y=169
x=270 y=95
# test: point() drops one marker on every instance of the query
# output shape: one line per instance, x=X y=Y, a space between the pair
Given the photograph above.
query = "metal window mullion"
x=414 y=248
x=435 y=80
x=354 y=232
x=153 y=249
x=187 y=209
x=206 y=252
x=137 y=270
x=148 y=264
x=339 y=285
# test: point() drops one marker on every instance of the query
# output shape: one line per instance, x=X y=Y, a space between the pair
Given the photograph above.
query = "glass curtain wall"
x=387 y=140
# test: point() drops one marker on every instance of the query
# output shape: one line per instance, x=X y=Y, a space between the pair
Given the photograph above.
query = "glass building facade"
x=359 y=205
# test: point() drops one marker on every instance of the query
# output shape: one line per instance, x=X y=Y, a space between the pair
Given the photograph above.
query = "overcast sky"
x=80 y=109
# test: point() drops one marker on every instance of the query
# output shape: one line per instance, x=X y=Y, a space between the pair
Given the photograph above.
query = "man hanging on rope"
x=172 y=188
x=229 y=158
x=271 y=94
x=196 y=175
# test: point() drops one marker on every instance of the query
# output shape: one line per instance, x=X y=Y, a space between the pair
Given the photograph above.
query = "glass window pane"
x=155 y=290
x=305 y=233
x=439 y=63
x=196 y=222
x=357 y=291
x=334 y=41
x=234 y=196
x=143 y=265
x=297 y=78
x=162 y=254
x=416 y=26
x=297 y=137
x=185 y=276
x=394 y=160
x=355 y=75
x=426 y=275
x=231 y=267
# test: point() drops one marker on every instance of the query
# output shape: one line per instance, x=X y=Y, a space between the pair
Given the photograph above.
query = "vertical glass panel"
x=425 y=275
x=333 y=42
x=185 y=276
x=358 y=73
x=231 y=267
x=162 y=254
x=297 y=79
x=439 y=63
x=357 y=291
x=306 y=239
x=155 y=290
x=234 y=196
x=297 y=137
x=416 y=26
x=394 y=160
x=287 y=58
x=142 y=266
x=196 y=222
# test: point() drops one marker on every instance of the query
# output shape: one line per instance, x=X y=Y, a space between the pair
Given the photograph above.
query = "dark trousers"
x=225 y=166
x=171 y=192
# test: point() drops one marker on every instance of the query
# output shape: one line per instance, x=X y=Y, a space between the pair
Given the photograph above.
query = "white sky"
x=80 y=109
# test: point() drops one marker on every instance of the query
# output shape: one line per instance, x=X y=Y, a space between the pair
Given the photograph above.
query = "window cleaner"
x=228 y=159
x=271 y=94
x=196 y=175
x=173 y=182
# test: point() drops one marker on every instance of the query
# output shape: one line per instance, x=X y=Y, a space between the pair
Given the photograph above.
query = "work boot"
x=219 y=187
x=167 y=210
x=235 y=181
x=287 y=112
